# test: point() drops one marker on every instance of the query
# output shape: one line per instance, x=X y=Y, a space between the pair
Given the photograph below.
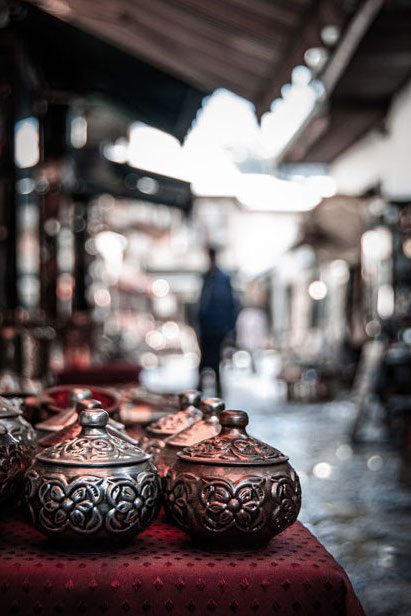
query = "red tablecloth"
x=162 y=573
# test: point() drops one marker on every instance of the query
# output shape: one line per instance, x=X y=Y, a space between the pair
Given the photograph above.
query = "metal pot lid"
x=170 y=424
x=232 y=446
x=9 y=408
x=95 y=446
x=207 y=427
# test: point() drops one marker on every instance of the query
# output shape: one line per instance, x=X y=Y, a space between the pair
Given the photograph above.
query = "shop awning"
x=361 y=95
x=73 y=62
x=96 y=175
x=249 y=48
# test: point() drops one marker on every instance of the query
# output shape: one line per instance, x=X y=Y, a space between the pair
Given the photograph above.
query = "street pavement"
x=352 y=500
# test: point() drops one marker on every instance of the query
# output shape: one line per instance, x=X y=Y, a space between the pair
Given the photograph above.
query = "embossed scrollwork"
x=286 y=494
x=132 y=501
x=98 y=449
x=13 y=463
x=242 y=449
x=179 y=493
x=74 y=505
x=227 y=504
x=171 y=424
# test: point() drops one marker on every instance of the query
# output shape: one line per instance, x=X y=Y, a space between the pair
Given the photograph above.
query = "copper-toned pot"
x=232 y=491
x=92 y=487
x=154 y=439
x=206 y=427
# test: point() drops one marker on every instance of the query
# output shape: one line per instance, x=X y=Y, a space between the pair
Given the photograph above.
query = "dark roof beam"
x=324 y=13
x=349 y=43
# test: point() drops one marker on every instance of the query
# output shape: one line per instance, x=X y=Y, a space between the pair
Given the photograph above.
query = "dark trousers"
x=210 y=356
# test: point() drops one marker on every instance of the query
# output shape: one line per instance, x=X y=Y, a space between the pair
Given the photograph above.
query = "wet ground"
x=352 y=500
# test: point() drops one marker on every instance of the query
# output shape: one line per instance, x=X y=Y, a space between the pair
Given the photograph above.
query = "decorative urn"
x=94 y=486
x=12 y=419
x=154 y=439
x=206 y=427
x=232 y=490
x=14 y=460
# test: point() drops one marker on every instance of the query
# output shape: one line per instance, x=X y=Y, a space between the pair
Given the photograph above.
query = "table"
x=161 y=573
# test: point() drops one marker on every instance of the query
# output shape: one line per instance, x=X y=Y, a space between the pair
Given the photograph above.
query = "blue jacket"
x=217 y=313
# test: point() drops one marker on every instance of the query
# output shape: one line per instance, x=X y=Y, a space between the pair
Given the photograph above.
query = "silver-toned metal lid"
x=95 y=445
x=171 y=424
x=9 y=408
x=232 y=446
x=191 y=397
x=207 y=427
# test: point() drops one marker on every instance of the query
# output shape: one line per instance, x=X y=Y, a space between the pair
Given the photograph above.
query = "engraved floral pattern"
x=90 y=504
x=98 y=449
x=178 y=494
x=24 y=433
x=11 y=418
x=228 y=504
x=74 y=505
x=132 y=502
x=170 y=424
x=13 y=463
x=243 y=449
x=286 y=493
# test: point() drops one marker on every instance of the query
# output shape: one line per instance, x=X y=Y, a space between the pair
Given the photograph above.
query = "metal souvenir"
x=66 y=424
x=232 y=491
x=156 y=433
x=206 y=427
x=93 y=487
x=11 y=418
x=14 y=460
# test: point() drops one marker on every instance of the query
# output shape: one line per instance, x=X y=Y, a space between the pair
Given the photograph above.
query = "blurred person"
x=217 y=316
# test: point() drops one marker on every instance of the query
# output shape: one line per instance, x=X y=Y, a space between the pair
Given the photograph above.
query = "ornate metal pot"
x=11 y=417
x=232 y=491
x=157 y=432
x=206 y=427
x=14 y=460
x=93 y=487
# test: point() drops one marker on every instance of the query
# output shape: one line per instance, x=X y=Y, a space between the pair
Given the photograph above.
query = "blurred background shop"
x=134 y=136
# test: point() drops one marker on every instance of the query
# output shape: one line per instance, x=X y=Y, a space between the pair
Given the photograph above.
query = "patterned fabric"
x=162 y=573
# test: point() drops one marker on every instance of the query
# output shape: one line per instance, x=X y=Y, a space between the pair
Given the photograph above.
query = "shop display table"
x=162 y=573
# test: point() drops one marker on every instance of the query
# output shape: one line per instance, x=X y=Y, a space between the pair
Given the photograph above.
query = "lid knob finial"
x=188 y=398
x=212 y=406
x=91 y=414
x=234 y=419
x=77 y=394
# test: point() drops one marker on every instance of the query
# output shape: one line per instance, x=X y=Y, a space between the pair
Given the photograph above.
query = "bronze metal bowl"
x=232 y=491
